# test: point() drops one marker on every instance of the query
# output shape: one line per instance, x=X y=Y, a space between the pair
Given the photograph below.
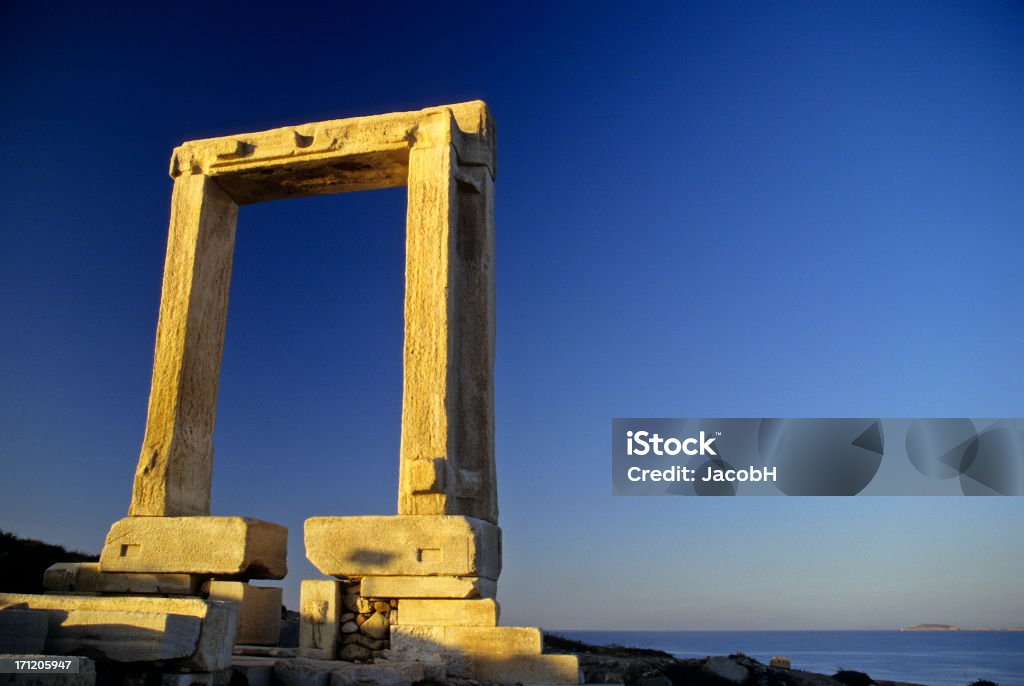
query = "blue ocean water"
x=934 y=658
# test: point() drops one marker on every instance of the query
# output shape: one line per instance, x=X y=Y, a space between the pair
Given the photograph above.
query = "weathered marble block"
x=496 y=640
x=213 y=546
x=259 y=610
x=123 y=636
x=319 y=618
x=527 y=669
x=514 y=669
x=428 y=587
x=86 y=577
x=447 y=613
x=404 y=545
x=126 y=625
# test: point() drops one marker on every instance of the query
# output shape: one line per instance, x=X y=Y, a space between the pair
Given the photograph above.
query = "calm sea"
x=934 y=658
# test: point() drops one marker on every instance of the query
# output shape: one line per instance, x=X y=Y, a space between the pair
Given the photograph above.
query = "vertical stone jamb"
x=176 y=461
x=424 y=452
x=447 y=446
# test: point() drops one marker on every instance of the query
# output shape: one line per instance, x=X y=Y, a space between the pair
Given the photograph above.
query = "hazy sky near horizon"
x=703 y=210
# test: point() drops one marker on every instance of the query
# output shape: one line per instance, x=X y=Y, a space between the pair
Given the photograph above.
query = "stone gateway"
x=412 y=595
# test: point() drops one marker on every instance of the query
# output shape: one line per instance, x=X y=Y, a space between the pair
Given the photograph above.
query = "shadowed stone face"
x=132 y=628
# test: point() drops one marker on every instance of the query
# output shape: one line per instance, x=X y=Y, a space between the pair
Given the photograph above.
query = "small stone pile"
x=365 y=626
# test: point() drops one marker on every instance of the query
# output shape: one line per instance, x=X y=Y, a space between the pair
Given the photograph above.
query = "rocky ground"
x=645 y=667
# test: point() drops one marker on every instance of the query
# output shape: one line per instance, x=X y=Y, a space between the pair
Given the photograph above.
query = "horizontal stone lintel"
x=359 y=153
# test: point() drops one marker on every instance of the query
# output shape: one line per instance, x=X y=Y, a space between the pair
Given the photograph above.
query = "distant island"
x=950 y=627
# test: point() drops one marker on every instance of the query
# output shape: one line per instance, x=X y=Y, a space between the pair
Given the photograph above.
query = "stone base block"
x=428 y=587
x=413 y=612
x=498 y=669
x=319 y=618
x=413 y=671
x=127 y=625
x=122 y=636
x=527 y=669
x=259 y=610
x=377 y=675
x=258 y=671
x=406 y=545
x=495 y=640
x=23 y=631
x=276 y=652
x=86 y=673
x=86 y=577
x=303 y=672
x=433 y=665
x=213 y=546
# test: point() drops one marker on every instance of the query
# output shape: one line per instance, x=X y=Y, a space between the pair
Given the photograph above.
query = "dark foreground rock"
x=646 y=667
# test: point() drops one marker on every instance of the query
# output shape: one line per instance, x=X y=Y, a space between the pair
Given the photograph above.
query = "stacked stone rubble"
x=365 y=626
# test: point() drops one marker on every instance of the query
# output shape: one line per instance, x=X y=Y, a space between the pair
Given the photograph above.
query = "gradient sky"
x=703 y=209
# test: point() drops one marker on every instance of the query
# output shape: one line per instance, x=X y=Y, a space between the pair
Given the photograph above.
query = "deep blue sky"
x=703 y=209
